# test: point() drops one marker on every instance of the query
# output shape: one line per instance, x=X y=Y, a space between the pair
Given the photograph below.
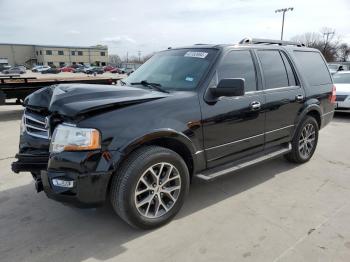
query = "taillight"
x=333 y=96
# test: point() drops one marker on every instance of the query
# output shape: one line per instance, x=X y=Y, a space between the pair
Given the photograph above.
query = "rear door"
x=283 y=95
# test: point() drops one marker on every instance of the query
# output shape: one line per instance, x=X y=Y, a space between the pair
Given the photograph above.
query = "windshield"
x=341 y=78
x=335 y=67
x=174 y=69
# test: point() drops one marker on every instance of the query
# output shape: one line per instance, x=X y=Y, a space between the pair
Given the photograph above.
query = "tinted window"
x=239 y=64
x=313 y=68
x=290 y=73
x=275 y=74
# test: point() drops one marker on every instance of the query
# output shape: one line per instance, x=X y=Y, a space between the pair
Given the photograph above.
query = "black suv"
x=201 y=111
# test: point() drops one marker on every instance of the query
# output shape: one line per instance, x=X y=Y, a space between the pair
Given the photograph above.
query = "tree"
x=344 y=52
x=326 y=41
x=114 y=60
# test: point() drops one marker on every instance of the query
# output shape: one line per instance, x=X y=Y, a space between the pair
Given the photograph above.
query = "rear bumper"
x=29 y=163
x=88 y=190
x=343 y=105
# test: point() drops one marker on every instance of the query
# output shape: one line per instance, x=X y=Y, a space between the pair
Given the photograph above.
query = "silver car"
x=15 y=70
x=342 y=85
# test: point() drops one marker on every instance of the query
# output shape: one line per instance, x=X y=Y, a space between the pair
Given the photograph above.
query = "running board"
x=214 y=173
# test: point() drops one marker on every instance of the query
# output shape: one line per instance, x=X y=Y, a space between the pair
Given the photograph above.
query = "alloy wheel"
x=157 y=190
x=307 y=140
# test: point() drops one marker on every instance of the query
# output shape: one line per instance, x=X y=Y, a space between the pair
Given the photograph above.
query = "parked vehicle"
x=40 y=68
x=52 y=70
x=94 y=69
x=201 y=111
x=15 y=70
x=333 y=68
x=67 y=69
x=4 y=67
x=116 y=71
x=108 y=68
x=342 y=83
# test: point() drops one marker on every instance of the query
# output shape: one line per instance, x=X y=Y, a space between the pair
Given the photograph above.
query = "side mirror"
x=229 y=87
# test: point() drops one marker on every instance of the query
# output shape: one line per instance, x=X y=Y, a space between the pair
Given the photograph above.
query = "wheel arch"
x=167 y=138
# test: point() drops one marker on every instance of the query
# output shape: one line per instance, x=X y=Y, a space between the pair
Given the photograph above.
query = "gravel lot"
x=276 y=211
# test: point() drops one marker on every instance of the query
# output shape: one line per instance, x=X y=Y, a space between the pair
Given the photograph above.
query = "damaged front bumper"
x=30 y=163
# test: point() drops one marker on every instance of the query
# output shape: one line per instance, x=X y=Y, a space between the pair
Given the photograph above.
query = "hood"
x=342 y=89
x=72 y=100
x=40 y=99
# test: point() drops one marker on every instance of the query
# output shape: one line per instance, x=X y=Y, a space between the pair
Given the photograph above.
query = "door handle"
x=255 y=105
x=299 y=98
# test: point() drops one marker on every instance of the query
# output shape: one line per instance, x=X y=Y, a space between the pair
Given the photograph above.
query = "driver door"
x=233 y=127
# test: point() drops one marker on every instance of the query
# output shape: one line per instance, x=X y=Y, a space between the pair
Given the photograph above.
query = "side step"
x=211 y=174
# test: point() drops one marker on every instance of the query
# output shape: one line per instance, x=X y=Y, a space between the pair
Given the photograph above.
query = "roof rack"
x=257 y=41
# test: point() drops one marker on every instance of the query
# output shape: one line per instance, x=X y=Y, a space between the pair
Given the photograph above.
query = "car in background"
x=79 y=70
x=94 y=69
x=342 y=84
x=116 y=70
x=4 y=67
x=52 y=70
x=67 y=69
x=15 y=70
x=108 y=68
x=40 y=68
x=333 y=68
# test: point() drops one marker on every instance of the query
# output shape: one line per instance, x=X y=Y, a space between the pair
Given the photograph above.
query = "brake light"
x=333 y=96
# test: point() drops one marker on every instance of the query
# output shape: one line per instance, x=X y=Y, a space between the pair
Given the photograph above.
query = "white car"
x=342 y=84
x=40 y=68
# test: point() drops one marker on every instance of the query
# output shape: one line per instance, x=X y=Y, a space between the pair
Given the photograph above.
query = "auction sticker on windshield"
x=196 y=54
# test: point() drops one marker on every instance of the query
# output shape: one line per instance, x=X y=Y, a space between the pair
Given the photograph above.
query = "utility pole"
x=327 y=34
x=139 y=53
x=283 y=11
x=127 y=57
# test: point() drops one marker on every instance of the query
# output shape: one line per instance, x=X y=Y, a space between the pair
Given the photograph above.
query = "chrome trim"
x=278 y=129
x=237 y=141
x=27 y=126
x=328 y=113
x=241 y=140
x=244 y=164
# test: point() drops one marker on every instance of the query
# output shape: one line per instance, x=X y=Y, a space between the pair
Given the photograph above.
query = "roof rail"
x=256 y=41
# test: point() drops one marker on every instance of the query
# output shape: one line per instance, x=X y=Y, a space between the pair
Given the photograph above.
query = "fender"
x=311 y=105
x=168 y=133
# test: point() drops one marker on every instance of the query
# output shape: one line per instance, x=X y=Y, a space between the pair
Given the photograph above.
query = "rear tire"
x=150 y=187
x=304 y=142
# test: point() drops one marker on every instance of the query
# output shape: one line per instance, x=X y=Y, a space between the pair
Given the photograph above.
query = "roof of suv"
x=254 y=43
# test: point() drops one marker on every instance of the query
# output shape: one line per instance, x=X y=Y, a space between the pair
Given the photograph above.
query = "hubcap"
x=157 y=190
x=307 y=140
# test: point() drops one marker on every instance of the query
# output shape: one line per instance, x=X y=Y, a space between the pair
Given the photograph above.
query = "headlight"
x=22 y=126
x=71 y=138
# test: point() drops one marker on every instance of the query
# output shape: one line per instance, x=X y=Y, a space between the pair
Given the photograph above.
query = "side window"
x=238 y=64
x=275 y=74
x=290 y=73
x=313 y=67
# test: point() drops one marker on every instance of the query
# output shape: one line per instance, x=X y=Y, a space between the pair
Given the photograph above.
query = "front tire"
x=150 y=187
x=305 y=141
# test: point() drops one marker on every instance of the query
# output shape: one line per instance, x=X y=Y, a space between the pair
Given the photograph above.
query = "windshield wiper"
x=156 y=86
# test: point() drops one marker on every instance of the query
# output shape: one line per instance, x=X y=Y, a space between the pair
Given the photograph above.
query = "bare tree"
x=326 y=41
x=114 y=59
x=343 y=52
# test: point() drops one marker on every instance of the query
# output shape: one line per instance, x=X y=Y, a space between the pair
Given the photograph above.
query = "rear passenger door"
x=284 y=96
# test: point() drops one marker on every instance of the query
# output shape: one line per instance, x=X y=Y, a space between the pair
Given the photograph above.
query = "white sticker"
x=188 y=78
x=196 y=54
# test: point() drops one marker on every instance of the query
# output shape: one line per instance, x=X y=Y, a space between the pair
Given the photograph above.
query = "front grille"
x=35 y=125
x=341 y=98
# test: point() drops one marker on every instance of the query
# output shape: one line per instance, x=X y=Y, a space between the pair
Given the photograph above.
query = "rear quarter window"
x=313 y=68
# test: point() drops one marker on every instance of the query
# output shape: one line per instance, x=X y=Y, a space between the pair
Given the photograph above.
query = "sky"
x=130 y=26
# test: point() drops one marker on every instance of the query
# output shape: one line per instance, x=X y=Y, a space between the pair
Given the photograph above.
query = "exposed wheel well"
x=315 y=114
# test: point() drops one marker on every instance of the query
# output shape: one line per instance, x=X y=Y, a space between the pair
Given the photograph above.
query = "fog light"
x=62 y=183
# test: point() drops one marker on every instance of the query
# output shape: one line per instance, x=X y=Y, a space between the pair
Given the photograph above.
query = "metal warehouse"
x=29 y=55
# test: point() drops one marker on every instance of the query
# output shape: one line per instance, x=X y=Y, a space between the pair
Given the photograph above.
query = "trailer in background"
x=16 y=87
